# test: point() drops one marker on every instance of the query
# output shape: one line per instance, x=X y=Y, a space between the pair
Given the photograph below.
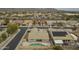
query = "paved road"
x=13 y=44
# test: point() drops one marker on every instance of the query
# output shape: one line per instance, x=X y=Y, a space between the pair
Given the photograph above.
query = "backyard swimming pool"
x=37 y=44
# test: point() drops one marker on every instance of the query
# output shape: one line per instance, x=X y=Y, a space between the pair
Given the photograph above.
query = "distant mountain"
x=69 y=9
x=28 y=9
x=40 y=9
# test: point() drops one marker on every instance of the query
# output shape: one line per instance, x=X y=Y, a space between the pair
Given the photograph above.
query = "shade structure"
x=58 y=41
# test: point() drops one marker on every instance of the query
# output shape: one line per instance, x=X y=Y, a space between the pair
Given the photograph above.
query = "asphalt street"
x=13 y=44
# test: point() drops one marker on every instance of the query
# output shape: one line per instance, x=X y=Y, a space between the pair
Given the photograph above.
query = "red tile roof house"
x=20 y=22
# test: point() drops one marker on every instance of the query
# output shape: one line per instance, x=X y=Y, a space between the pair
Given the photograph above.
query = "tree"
x=6 y=21
x=0 y=39
x=57 y=47
x=60 y=24
x=11 y=28
x=74 y=27
x=67 y=17
x=4 y=36
x=45 y=22
x=34 y=22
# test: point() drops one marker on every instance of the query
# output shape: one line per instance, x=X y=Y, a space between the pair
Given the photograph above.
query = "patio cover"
x=58 y=41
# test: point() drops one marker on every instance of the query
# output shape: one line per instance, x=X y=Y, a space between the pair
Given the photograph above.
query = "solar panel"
x=59 y=33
